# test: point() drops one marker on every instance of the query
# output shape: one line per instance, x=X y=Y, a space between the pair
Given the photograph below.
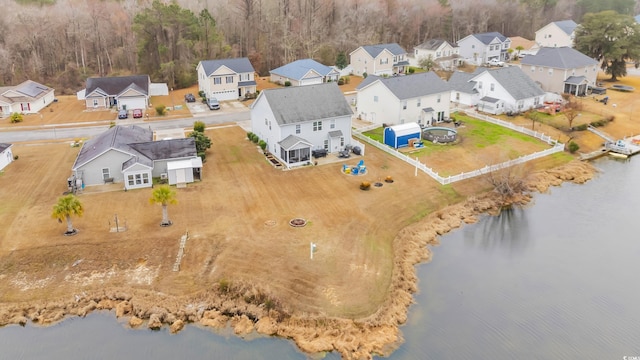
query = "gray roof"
x=375 y=50
x=410 y=86
x=335 y=133
x=461 y=81
x=433 y=44
x=575 y=80
x=239 y=65
x=487 y=38
x=516 y=82
x=489 y=99
x=138 y=143
x=297 y=104
x=4 y=146
x=298 y=69
x=559 y=58
x=118 y=84
x=28 y=91
x=291 y=140
x=568 y=26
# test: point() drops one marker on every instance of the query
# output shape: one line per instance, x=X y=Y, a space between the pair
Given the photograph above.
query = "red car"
x=137 y=113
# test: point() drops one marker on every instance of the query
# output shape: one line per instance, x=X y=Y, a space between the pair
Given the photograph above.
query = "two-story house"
x=557 y=34
x=561 y=70
x=304 y=72
x=496 y=91
x=226 y=79
x=445 y=54
x=422 y=98
x=293 y=121
x=382 y=59
x=478 y=49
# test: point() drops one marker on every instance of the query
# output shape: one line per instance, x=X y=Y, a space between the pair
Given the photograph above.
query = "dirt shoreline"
x=353 y=338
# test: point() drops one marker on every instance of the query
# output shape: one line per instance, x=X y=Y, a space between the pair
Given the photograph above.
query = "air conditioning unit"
x=164 y=176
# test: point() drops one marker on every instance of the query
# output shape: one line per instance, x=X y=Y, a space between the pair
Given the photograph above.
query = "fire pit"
x=298 y=222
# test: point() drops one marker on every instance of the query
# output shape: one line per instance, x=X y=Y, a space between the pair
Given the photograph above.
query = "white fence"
x=557 y=147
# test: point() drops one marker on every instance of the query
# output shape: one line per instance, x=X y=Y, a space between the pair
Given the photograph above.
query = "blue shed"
x=398 y=136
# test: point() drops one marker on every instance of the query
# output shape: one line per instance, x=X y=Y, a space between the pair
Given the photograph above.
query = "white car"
x=495 y=62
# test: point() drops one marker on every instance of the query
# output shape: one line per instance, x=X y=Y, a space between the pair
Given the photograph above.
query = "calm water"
x=557 y=280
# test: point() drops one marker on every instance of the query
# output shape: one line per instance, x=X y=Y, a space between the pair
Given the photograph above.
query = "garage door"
x=312 y=81
x=133 y=103
x=225 y=94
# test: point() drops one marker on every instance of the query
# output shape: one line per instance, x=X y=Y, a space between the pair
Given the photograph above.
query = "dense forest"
x=62 y=42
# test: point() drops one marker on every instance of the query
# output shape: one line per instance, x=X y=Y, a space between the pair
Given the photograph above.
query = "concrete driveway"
x=201 y=109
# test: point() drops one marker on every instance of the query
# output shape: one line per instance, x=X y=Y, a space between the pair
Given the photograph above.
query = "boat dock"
x=621 y=148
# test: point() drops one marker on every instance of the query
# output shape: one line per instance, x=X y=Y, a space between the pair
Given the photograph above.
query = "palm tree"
x=164 y=195
x=67 y=205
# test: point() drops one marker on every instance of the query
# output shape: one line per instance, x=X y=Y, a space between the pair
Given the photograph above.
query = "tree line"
x=62 y=42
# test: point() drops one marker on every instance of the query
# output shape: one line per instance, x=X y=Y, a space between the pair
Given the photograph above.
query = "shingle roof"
x=117 y=84
x=298 y=69
x=559 y=58
x=375 y=50
x=291 y=140
x=566 y=25
x=487 y=38
x=489 y=99
x=575 y=80
x=516 y=82
x=239 y=65
x=292 y=105
x=411 y=86
x=28 y=91
x=433 y=44
x=167 y=149
x=4 y=146
x=461 y=81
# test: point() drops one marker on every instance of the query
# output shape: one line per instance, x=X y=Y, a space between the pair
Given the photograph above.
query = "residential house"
x=293 y=121
x=557 y=34
x=497 y=91
x=304 y=72
x=561 y=70
x=478 y=49
x=520 y=47
x=226 y=79
x=26 y=98
x=422 y=98
x=6 y=156
x=122 y=92
x=129 y=155
x=382 y=59
x=443 y=53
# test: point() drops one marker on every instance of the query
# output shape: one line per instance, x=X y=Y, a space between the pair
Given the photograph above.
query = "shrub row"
x=256 y=140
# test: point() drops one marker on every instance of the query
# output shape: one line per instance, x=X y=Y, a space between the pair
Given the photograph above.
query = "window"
x=550 y=71
x=375 y=98
x=473 y=46
x=229 y=79
x=519 y=104
x=138 y=179
x=130 y=180
x=342 y=141
x=217 y=80
x=326 y=144
x=479 y=84
x=95 y=102
x=404 y=105
x=384 y=61
x=536 y=101
x=493 y=86
x=439 y=97
x=332 y=124
x=438 y=54
x=317 y=125
x=419 y=100
x=298 y=129
x=457 y=96
x=266 y=122
x=533 y=69
x=105 y=173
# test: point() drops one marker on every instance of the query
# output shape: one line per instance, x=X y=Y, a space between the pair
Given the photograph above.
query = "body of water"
x=556 y=280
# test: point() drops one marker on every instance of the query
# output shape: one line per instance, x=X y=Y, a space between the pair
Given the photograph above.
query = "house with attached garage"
x=6 y=156
x=293 y=121
x=128 y=154
x=304 y=72
x=478 y=49
x=381 y=59
x=423 y=98
x=561 y=70
x=557 y=34
x=226 y=79
x=443 y=53
x=496 y=91
x=26 y=98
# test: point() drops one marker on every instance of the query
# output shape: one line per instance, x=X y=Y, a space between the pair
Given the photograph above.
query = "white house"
x=304 y=72
x=226 y=79
x=497 y=91
x=478 y=49
x=6 y=156
x=26 y=98
x=293 y=121
x=423 y=98
x=128 y=154
x=445 y=54
x=557 y=34
x=561 y=70
x=123 y=92
x=381 y=59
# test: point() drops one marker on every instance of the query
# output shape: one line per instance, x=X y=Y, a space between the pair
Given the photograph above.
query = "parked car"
x=189 y=98
x=123 y=114
x=213 y=103
x=495 y=62
x=137 y=113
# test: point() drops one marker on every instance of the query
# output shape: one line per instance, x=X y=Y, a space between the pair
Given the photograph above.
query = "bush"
x=203 y=156
x=201 y=94
x=16 y=157
x=581 y=127
x=199 y=126
x=249 y=135
x=341 y=81
x=263 y=144
x=287 y=83
x=364 y=75
x=573 y=147
x=346 y=79
x=411 y=70
x=255 y=138
x=112 y=124
x=365 y=185
x=16 y=118
x=161 y=110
